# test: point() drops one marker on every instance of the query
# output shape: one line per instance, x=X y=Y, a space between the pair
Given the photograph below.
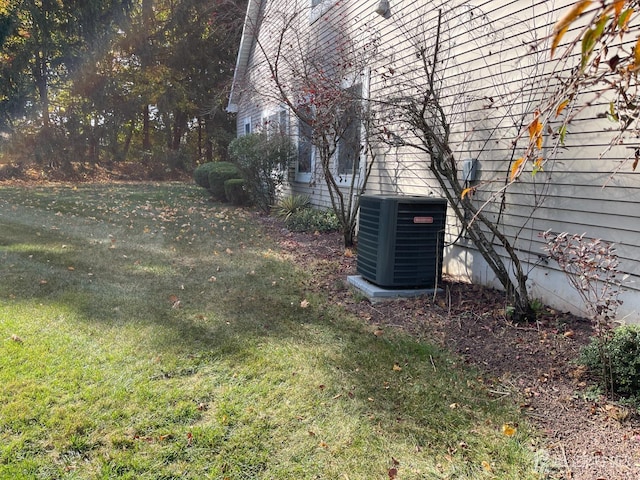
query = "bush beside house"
x=262 y=159
x=213 y=177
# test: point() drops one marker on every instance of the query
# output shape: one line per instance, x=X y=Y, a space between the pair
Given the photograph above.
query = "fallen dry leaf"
x=397 y=368
x=578 y=372
x=175 y=301
x=16 y=338
x=509 y=430
x=617 y=413
x=304 y=303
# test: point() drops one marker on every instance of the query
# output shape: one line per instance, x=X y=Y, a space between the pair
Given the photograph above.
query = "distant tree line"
x=116 y=80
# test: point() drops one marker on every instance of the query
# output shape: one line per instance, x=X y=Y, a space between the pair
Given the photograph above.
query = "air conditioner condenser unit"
x=401 y=240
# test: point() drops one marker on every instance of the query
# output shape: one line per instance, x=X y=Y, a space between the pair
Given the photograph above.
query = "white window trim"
x=267 y=113
x=346 y=179
x=305 y=177
x=246 y=122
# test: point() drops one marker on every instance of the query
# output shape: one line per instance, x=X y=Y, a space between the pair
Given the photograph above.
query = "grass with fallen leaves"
x=146 y=333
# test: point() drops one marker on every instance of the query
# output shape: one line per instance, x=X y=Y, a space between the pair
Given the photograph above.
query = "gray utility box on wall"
x=401 y=240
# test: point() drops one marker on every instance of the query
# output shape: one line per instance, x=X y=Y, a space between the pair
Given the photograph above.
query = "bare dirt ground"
x=585 y=436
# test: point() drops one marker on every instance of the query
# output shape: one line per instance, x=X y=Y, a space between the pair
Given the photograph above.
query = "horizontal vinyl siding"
x=303 y=36
x=492 y=69
x=495 y=55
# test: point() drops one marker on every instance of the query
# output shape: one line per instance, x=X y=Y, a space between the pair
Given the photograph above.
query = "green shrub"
x=622 y=353
x=313 y=220
x=291 y=204
x=235 y=191
x=219 y=173
x=201 y=174
x=262 y=159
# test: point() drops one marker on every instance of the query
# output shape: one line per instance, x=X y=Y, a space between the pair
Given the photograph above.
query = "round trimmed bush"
x=220 y=172
x=236 y=192
x=201 y=174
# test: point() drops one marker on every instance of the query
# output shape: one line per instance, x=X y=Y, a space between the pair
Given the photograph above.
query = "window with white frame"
x=275 y=121
x=246 y=130
x=305 y=155
x=350 y=144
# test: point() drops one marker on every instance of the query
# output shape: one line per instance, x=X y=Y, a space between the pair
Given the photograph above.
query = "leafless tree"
x=320 y=73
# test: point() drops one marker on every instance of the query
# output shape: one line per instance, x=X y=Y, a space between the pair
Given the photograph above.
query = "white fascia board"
x=246 y=42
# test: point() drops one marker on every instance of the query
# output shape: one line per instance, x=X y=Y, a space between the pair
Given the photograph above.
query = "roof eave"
x=244 y=51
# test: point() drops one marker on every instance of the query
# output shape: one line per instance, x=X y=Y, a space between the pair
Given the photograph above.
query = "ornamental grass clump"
x=291 y=204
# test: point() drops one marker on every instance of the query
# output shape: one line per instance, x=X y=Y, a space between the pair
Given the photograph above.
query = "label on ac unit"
x=422 y=219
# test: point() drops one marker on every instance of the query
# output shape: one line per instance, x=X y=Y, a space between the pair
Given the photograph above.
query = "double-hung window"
x=305 y=160
x=350 y=143
x=246 y=126
x=275 y=122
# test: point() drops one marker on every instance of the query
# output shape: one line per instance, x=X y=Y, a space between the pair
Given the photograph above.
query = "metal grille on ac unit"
x=401 y=240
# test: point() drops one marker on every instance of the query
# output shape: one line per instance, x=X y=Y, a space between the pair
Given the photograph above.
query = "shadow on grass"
x=209 y=292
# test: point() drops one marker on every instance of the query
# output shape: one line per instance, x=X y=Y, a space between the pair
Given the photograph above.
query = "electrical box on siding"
x=469 y=170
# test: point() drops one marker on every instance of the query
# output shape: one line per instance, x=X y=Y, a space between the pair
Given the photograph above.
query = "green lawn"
x=146 y=333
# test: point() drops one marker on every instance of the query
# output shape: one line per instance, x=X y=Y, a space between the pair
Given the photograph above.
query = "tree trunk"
x=349 y=237
x=473 y=221
x=40 y=74
x=146 y=135
x=179 y=126
x=199 y=138
x=208 y=119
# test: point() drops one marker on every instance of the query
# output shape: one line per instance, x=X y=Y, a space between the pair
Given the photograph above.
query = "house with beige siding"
x=491 y=69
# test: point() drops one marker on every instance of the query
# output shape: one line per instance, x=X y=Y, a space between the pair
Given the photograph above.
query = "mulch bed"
x=585 y=436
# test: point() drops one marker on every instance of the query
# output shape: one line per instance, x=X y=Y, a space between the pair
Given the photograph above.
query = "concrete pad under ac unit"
x=377 y=294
